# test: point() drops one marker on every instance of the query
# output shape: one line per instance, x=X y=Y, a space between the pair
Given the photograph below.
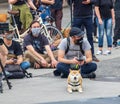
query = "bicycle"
x=50 y=31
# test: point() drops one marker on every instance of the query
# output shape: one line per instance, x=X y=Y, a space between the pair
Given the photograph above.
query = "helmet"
x=25 y=65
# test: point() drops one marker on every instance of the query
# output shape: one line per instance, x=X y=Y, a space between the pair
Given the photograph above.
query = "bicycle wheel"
x=54 y=33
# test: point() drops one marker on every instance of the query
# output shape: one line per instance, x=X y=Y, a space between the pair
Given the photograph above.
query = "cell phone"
x=80 y=59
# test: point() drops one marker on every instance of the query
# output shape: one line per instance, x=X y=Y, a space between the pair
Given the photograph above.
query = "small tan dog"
x=74 y=81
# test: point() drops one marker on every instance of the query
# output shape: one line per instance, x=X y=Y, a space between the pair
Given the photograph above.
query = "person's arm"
x=88 y=55
x=48 y=1
x=32 y=50
x=3 y=50
x=3 y=54
x=19 y=59
x=32 y=5
x=12 y=1
x=50 y=54
x=113 y=16
x=98 y=14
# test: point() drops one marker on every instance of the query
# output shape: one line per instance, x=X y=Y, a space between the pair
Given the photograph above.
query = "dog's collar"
x=74 y=84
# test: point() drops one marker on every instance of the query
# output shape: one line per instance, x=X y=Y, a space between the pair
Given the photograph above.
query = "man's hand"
x=54 y=63
x=86 y=1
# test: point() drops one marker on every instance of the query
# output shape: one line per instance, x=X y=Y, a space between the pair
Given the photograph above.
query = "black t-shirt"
x=105 y=7
x=38 y=43
x=20 y=2
x=1 y=42
x=15 y=49
x=82 y=10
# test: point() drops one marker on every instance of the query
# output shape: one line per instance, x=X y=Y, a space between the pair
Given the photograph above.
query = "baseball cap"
x=75 y=31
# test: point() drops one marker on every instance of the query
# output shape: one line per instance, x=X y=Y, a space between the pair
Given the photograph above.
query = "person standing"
x=23 y=7
x=117 y=22
x=57 y=13
x=105 y=19
x=81 y=18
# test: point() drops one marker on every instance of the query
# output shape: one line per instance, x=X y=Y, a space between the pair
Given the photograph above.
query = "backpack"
x=68 y=44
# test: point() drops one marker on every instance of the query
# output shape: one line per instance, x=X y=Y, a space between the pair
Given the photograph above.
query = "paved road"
x=47 y=89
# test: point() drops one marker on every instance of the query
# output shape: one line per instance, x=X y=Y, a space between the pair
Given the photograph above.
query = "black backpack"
x=68 y=44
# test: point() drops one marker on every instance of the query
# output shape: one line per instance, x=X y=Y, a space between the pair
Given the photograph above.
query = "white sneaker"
x=108 y=52
x=99 y=52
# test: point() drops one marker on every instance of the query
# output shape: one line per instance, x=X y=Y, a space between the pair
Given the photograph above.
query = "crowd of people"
x=36 y=46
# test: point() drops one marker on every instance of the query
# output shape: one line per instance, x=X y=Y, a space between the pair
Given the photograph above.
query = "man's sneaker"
x=108 y=52
x=99 y=52
x=64 y=76
x=94 y=58
x=115 y=44
x=91 y=75
x=56 y=73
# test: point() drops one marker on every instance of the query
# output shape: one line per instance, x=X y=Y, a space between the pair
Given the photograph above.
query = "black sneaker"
x=94 y=58
x=91 y=75
x=56 y=73
x=114 y=44
x=64 y=76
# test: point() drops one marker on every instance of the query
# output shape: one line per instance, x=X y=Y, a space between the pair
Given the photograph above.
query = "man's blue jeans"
x=107 y=27
x=88 y=24
x=85 y=69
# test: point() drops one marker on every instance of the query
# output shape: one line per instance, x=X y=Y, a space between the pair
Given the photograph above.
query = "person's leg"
x=89 y=28
x=58 y=18
x=77 y=22
x=63 y=69
x=87 y=70
x=108 y=30
x=100 y=35
x=116 y=31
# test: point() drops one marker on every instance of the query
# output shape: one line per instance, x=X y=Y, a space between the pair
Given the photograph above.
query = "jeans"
x=88 y=24
x=117 y=29
x=85 y=69
x=107 y=26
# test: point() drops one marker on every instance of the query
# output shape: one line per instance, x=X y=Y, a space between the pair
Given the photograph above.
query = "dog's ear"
x=70 y=70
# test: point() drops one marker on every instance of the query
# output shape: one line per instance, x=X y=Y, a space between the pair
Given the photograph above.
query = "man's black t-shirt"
x=14 y=49
x=38 y=43
x=1 y=42
x=20 y=2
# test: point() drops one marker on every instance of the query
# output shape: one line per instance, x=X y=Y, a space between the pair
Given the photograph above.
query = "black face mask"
x=79 y=41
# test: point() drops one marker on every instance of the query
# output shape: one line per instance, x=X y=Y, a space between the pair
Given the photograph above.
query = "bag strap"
x=68 y=44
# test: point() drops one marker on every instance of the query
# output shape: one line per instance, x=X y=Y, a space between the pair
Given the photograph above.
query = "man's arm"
x=31 y=4
x=50 y=54
x=32 y=50
x=48 y=1
x=12 y=1
x=88 y=55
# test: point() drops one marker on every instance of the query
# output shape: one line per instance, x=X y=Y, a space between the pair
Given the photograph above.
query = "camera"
x=4 y=27
x=15 y=60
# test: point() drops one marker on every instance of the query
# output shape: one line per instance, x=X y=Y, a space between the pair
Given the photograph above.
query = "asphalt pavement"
x=45 y=88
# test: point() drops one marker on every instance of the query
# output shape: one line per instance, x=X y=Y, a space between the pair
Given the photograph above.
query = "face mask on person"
x=35 y=31
x=9 y=37
x=79 y=41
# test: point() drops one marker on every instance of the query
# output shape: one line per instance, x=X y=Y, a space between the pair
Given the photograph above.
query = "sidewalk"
x=45 y=88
